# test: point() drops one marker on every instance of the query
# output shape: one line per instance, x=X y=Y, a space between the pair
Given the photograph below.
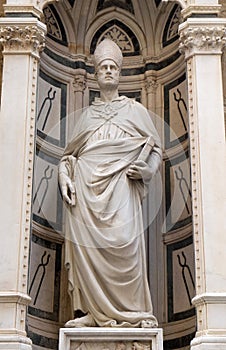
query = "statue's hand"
x=67 y=189
x=140 y=170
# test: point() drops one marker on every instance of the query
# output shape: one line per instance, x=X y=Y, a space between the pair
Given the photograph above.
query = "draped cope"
x=104 y=241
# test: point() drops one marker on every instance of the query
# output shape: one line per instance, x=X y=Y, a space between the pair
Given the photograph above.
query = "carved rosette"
x=202 y=38
x=22 y=38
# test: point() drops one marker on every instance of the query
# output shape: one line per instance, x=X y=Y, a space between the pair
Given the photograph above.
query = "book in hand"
x=147 y=148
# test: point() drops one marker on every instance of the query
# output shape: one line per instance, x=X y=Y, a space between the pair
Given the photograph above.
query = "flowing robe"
x=105 y=253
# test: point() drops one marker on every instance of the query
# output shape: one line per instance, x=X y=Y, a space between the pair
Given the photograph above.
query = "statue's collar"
x=108 y=110
x=99 y=102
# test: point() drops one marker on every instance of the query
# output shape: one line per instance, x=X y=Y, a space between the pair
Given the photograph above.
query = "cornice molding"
x=202 y=36
x=209 y=298
x=22 y=10
x=200 y=10
x=22 y=36
x=14 y=297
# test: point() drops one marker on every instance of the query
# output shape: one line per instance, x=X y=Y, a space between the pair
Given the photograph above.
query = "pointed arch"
x=122 y=21
x=119 y=33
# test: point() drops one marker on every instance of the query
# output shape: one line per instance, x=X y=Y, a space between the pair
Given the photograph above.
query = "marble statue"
x=103 y=176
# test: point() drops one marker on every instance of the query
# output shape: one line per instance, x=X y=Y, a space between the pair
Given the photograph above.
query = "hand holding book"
x=140 y=169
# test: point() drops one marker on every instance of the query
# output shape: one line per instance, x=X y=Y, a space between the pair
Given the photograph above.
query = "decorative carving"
x=140 y=346
x=174 y=24
x=22 y=38
x=108 y=338
x=151 y=84
x=135 y=345
x=202 y=38
x=53 y=28
x=119 y=37
x=28 y=178
x=121 y=34
x=79 y=83
x=197 y=217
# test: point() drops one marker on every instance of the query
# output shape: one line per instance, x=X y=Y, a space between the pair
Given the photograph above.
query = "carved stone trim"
x=200 y=10
x=28 y=176
x=14 y=297
x=22 y=9
x=22 y=36
x=202 y=36
x=209 y=298
x=111 y=338
x=195 y=178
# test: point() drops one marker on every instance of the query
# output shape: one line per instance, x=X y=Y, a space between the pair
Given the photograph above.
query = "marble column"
x=78 y=88
x=151 y=87
x=22 y=39
x=202 y=39
x=79 y=85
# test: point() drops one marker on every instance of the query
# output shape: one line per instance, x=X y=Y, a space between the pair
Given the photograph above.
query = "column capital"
x=151 y=84
x=79 y=83
x=22 y=36
x=202 y=36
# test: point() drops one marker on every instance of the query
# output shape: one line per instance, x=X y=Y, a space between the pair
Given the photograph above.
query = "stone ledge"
x=97 y=338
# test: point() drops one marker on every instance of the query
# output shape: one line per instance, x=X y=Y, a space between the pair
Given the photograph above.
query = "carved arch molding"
x=114 y=29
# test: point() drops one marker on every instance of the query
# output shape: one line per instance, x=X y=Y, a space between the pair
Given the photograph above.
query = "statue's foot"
x=149 y=323
x=85 y=321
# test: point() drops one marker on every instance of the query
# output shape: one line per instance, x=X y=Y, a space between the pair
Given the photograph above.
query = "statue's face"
x=108 y=74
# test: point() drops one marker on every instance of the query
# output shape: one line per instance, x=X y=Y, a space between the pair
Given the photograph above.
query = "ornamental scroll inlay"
x=53 y=28
x=173 y=28
x=25 y=38
x=119 y=37
x=202 y=38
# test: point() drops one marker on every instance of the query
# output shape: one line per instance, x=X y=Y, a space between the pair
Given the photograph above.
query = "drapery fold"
x=104 y=241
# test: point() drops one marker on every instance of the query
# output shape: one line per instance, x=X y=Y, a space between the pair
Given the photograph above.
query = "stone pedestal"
x=96 y=338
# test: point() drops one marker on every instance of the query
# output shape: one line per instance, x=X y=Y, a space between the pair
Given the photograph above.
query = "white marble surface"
x=97 y=338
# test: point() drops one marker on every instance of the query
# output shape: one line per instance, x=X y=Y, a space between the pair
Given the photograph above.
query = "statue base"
x=98 y=338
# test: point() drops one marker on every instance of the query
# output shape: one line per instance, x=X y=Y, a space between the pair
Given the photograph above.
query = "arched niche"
x=155 y=76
